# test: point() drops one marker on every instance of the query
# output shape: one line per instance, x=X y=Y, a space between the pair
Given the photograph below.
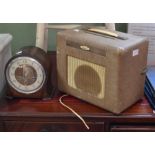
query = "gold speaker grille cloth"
x=86 y=77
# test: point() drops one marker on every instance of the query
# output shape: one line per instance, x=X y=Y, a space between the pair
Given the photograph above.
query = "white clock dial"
x=25 y=74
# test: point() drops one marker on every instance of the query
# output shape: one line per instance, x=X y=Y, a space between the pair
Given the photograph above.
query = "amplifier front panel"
x=86 y=77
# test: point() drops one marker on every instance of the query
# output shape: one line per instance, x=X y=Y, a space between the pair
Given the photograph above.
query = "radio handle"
x=105 y=32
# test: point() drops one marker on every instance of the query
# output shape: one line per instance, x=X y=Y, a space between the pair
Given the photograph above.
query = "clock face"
x=25 y=75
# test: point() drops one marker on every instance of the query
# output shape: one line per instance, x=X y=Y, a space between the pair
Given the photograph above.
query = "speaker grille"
x=86 y=77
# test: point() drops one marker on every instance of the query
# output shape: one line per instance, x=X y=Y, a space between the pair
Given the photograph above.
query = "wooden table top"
x=52 y=107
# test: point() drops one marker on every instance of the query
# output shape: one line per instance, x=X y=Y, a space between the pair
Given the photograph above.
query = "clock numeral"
x=25 y=61
x=20 y=66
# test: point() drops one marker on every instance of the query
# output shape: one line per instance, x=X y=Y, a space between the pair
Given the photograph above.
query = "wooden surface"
x=52 y=106
x=50 y=115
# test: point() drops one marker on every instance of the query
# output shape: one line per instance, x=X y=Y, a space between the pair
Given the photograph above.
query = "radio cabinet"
x=105 y=70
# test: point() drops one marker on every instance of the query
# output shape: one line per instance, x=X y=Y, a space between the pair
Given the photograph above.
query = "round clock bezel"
x=14 y=86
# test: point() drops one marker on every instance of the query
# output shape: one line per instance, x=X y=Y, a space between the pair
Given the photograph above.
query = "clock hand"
x=24 y=75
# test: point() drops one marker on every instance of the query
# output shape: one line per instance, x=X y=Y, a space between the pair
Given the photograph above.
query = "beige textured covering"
x=120 y=62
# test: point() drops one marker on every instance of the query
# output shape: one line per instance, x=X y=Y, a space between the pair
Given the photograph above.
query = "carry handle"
x=105 y=32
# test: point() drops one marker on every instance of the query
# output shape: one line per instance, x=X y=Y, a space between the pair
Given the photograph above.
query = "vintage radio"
x=105 y=68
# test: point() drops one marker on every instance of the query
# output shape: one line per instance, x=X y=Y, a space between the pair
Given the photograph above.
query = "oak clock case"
x=28 y=74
